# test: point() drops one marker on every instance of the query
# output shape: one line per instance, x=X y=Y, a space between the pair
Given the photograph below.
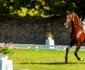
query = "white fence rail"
x=45 y=47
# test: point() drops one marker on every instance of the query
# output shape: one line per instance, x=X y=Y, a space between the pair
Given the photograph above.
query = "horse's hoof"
x=66 y=61
x=81 y=59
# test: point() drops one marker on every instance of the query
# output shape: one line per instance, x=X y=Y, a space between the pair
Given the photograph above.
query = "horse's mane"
x=76 y=18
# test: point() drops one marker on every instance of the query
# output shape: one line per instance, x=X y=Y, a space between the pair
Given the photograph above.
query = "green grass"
x=46 y=60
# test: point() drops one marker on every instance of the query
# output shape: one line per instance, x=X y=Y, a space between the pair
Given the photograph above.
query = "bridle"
x=71 y=18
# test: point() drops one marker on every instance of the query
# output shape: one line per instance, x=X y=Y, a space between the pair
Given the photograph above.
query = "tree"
x=44 y=8
x=81 y=6
x=4 y=10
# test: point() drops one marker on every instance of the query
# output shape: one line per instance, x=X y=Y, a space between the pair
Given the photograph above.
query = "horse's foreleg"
x=67 y=49
x=76 y=51
x=66 y=57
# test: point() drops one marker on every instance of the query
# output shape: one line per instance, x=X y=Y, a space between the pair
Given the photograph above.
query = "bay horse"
x=77 y=35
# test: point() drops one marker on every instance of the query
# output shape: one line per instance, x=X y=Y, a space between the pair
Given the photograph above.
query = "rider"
x=83 y=21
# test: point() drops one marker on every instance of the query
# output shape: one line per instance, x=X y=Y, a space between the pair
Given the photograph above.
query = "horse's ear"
x=68 y=12
x=72 y=11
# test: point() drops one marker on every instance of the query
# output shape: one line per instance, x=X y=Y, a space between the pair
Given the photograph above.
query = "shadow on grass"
x=49 y=63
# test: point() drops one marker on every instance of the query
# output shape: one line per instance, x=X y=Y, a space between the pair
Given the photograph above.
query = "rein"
x=79 y=25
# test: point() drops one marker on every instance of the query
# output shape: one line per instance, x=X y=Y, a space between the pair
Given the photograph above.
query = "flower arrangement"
x=6 y=50
x=49 y=34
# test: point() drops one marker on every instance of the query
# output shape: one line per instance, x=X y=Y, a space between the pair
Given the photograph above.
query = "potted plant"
x=50 y=40
x=49 y=35
x=5 y=51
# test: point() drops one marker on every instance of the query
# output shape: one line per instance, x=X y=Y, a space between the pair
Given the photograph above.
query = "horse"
x=77 y=35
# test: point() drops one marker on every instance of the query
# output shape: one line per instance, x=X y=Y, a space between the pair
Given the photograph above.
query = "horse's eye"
x=67 y=17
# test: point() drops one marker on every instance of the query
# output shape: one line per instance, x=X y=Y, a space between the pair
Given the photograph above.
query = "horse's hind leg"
x=76 y=51
x=67 y=49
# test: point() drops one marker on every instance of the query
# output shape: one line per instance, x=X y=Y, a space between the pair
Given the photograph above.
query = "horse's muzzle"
x=66 y=24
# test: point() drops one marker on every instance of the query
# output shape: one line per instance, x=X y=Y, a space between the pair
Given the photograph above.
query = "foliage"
x=6 y=50
x=49 y=34
x=80 y=6
x=44 y=8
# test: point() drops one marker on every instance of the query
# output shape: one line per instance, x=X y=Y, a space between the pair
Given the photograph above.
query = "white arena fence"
x=44 y=47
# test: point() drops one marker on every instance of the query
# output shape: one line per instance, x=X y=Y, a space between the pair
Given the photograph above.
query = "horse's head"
x=69 y=19
x=72 y=19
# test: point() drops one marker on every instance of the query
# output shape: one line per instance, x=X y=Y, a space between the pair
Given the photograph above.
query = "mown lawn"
x=46 y=60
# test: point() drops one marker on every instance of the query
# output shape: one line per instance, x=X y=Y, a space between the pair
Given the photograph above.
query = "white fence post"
x=6 y=65
x=28 y=47
x=36 y=47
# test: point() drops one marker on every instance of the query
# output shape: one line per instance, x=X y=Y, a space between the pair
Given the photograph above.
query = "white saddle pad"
x=83 y=26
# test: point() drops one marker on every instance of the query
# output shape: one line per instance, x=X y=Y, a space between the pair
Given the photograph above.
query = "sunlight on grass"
x=46 y=60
